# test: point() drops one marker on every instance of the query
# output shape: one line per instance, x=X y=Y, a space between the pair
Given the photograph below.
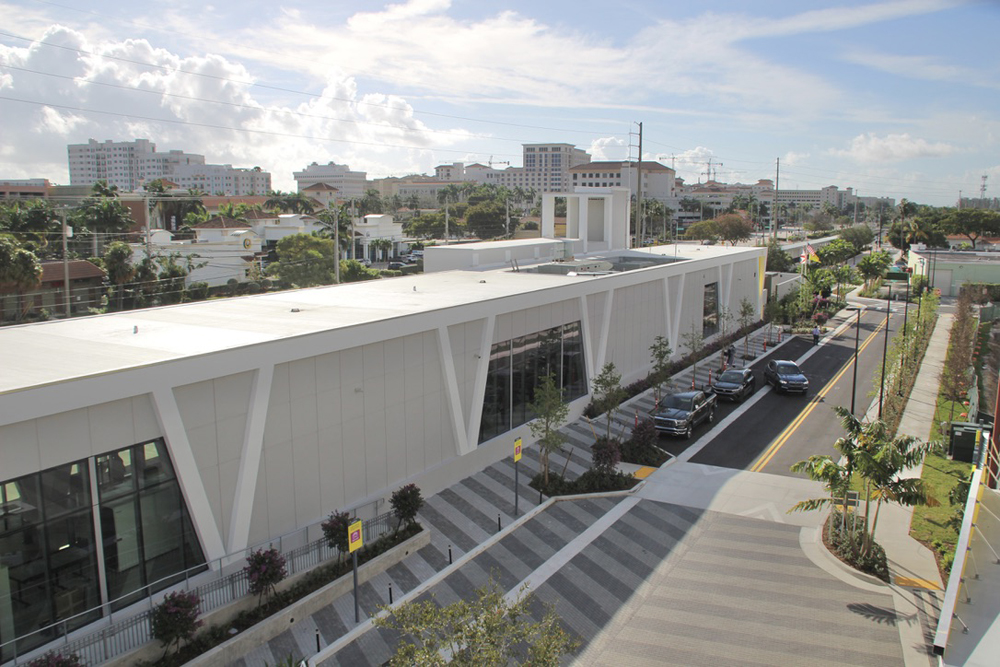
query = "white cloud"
x=892 y=147
x=205 y=104
x=608 y=148
x=792 y=158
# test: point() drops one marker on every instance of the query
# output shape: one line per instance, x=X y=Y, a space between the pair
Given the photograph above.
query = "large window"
x=517 y=366
x=710 y=315
x=50 y=561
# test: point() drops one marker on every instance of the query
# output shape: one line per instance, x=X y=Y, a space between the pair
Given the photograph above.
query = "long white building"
x=131 y=164
x=350 y=184
x=140 y=444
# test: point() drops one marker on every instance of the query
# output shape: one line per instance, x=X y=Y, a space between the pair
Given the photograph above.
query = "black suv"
x=735 y=384
x=785 y=376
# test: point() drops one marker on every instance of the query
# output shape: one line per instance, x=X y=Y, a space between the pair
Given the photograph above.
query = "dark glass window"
x=518 y=366
x=49 y=554
x=710 y=317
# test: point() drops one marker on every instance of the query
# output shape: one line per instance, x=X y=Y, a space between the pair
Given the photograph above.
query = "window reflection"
x=518 y=366
x=49 y=554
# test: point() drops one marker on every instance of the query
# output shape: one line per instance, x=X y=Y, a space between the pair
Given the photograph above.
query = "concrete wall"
x=268 y=438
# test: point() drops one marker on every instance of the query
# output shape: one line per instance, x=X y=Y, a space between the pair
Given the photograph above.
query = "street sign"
x=354 y=539
x=517 y=450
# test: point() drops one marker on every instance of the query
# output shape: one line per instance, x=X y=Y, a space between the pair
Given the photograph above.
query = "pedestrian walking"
x=816 y=335
x=729 y=355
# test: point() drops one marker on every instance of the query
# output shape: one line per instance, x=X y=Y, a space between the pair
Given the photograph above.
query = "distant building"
x=546 y=168
x=25 y=188
x=658 y=181
x=130 y=165
x=350 y=184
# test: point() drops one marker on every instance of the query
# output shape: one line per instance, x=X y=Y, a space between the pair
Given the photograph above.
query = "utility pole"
x=66 y=290
x=774 y=208
x=982 y=188
x=336 y=239
x=639 y=221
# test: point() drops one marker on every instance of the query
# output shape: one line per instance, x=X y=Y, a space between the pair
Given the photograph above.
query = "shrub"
x=265 y=569
x=56 y=660
x=606 y=454
x=642 y=447
x=175 y=619
x=335 y=532
x=405 y=503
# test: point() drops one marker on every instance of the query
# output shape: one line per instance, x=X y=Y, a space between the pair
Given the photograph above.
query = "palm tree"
x=118 y=264
x=382 y=247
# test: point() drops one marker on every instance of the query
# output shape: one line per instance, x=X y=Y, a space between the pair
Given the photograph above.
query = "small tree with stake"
x=747 y=314
x=660 y=351
x=608 y=393
x=550 y=412
x=405 y=503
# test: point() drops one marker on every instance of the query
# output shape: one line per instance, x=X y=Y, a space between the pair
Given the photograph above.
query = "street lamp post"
x=885 y=350
x=902 y=353
x=857 y=339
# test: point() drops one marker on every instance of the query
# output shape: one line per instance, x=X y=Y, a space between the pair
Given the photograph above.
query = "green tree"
x=733 y=228
x=101 y=217
x=406 y=503
x=335 y=531
x=608 y=393
x=32 y=223
x=777 y=258
x=550 y=413
x=304 y=261
x=371 y=203
x=706 y=230
x=486 y=219
x=19 y=267
x=694 y=340
x=353 y=271
x=859 y=236
x=874 y=266
x=973 y=223
x=383 y=247
x=118 y=264
x=660 y=351
x=489 y=631
x=746 y=316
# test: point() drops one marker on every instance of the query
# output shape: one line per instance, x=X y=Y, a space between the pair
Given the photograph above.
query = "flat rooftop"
x=48 y=352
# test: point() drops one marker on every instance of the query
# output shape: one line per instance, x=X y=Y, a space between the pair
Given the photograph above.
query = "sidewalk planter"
x=240 y=645
x=245 y=642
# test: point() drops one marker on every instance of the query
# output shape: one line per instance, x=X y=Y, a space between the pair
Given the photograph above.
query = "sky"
x=898 y=98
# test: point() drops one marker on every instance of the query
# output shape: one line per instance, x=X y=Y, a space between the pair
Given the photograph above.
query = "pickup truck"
x=678 y=414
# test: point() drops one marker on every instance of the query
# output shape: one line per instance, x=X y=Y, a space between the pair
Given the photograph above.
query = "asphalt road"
x=772 y=431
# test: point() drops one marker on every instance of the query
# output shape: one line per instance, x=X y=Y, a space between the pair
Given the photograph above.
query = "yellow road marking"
x=783 y=437
x=644 y=472
x=910 y=582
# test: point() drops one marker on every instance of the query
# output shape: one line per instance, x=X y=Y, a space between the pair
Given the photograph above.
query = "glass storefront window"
x=710 y=316
x=49 y=554
x=518 y=366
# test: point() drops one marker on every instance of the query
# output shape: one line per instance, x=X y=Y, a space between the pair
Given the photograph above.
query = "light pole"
x=906 y=311
x=885 y=350
x=857 y=339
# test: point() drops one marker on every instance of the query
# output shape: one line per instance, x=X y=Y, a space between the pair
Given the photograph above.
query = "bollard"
x=765 y=346
x=498 y=522
x=449 y=554
x=390 y=592
x=692 y=382
x=317 y=640
x=709 y=377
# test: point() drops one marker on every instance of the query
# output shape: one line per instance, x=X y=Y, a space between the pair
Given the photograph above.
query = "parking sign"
x=354 y=539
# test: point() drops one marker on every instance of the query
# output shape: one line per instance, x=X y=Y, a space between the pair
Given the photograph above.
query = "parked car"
x=396 y=266
x=678 y=414
x=785 y=376
x=736 y=384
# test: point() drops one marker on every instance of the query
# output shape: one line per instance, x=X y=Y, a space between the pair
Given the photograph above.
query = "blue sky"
x=899 y=98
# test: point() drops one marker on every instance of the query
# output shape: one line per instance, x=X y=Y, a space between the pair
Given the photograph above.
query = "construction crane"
x=491 y=162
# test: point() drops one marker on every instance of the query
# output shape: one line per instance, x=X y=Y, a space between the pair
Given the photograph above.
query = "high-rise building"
x=350 y=184
x=546 y=168
x=131 y=164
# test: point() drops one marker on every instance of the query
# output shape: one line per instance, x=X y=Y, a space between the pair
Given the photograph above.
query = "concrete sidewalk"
x=653 y=576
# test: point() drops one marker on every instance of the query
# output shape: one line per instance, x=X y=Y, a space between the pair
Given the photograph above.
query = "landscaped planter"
x=243 y=643
x=248 y=640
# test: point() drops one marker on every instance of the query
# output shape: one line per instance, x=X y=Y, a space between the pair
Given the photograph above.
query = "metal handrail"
x=125 y=635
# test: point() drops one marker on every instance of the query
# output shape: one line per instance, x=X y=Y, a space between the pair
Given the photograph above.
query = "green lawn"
x=940 y=475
